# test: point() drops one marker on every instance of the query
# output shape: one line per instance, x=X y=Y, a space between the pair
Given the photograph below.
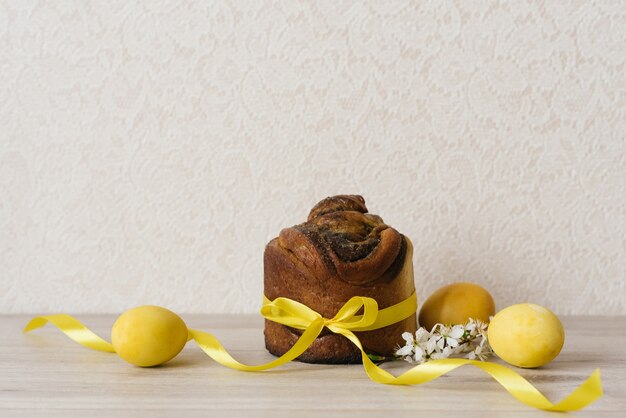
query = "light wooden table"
x=43 y=373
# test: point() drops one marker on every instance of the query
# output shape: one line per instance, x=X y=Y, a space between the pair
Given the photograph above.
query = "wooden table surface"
x=43 y=373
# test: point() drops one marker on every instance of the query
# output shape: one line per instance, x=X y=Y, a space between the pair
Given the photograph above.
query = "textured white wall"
x=149 y=150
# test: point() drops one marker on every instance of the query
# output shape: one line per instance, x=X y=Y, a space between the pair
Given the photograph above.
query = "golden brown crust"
x=340 y=252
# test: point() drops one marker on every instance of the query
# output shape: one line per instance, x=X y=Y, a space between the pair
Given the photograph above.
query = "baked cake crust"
x=341 y=251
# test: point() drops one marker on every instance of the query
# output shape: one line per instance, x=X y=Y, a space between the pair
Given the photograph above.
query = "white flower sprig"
x=445 y=341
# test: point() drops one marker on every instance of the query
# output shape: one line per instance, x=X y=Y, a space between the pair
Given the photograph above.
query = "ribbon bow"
x=297 y=315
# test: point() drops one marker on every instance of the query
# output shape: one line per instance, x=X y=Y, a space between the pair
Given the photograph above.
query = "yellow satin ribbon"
x=296 y=315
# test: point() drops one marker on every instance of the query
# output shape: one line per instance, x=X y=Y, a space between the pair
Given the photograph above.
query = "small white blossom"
x=445 y=353
x=445 y=341
x=431 y=344
x=421 y=335
x=407 y=350
x=457 y=331
x=419 y=354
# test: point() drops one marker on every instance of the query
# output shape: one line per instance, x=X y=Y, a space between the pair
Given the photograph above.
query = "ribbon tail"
x=584 y=395
x=74 y=329
x=214 y=349
x=520 y=388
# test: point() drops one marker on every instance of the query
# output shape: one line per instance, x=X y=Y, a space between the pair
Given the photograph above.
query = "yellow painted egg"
x=526 y=335
x=455 y=304
x=148 y=335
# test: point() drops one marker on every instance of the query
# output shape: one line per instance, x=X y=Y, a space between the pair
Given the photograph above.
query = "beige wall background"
x=149 y=149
